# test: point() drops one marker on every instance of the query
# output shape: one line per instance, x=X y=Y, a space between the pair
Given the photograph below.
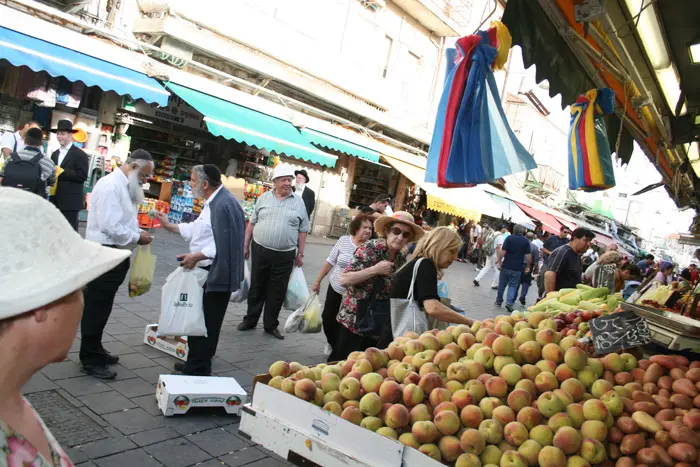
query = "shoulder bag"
x=406 y=314
x=372 y=314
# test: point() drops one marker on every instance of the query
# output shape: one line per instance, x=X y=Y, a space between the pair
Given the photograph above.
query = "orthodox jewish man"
x=72 y=170
x=306 y=193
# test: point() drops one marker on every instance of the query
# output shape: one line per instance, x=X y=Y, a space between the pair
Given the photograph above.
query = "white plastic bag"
x=181 y=307
x=307 y=318
x=241 y=294
x=297 y=290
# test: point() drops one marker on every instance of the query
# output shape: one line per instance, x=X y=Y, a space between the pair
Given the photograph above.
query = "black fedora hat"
x=302 y=172
x=64 y=125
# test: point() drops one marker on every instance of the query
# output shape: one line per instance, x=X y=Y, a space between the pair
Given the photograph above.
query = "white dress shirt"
x=200 y=234
x=62 y=154
x=8 y=141
x=111 y=213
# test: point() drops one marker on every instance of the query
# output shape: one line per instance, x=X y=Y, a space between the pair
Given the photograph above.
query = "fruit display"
x=582 y=297
x=511 y=392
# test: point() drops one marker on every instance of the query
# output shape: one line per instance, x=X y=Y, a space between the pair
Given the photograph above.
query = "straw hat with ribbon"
x=382 y=224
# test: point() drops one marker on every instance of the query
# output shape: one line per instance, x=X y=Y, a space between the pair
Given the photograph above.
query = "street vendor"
x=564 y=266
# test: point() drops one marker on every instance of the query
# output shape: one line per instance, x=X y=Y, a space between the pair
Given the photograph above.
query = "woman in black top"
x=439 y=248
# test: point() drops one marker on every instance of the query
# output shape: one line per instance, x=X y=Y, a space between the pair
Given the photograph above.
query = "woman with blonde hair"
x=437 y=249
x=609 y=257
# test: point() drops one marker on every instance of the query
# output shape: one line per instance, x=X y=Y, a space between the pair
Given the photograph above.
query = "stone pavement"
x=117 y=423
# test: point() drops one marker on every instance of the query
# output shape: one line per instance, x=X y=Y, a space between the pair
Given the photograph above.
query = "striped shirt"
x=279 y=222
x=340 y=257
x=48 y=168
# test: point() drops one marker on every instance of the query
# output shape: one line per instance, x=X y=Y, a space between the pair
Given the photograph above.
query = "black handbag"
x=372 y=315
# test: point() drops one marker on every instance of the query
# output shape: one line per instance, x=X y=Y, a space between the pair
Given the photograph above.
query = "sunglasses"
x=406 y=234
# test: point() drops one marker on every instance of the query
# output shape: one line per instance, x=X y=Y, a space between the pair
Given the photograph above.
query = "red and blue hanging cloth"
x=590 y=159
x=472 y=142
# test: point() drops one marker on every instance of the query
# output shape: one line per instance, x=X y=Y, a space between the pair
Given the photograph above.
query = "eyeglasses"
x=406 y=234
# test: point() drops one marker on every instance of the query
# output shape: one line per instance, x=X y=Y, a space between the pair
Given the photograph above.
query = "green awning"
x=233 y=121
x=340 y=145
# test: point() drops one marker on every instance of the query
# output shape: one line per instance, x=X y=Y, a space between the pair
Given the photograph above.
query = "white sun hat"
x=283 y=170
x=43 y=258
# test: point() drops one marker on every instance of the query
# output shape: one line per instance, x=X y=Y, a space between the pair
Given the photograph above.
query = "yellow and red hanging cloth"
x=590 y=158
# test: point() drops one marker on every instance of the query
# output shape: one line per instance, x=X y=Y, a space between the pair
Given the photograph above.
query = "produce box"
x=175 y=346
x=300 y=432
x=176 y=394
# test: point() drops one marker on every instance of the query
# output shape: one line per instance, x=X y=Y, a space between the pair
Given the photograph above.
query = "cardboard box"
x=294 y=428
x=176 y=394
x=175 y=346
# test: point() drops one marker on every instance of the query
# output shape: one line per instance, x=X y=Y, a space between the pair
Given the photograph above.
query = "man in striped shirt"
x=278 y=228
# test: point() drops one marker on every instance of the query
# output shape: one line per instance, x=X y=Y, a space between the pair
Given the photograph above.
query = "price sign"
x=619 y=331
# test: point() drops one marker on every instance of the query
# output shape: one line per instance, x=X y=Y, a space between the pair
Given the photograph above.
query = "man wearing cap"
x=14 y=142
x=75 y=164
x=278 y=228
x=31 y=149
x=216 y=244
x=306 y=193
x=111 y=222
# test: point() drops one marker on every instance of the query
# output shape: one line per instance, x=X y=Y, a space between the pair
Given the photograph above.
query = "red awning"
x=603 y=240
x=549 y=222
x=566 y=222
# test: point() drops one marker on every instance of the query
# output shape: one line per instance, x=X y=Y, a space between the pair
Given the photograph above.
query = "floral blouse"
x=16 y=451
x=370 y=253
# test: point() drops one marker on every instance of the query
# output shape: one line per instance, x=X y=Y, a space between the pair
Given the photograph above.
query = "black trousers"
x=349 y=342
x=269 y=276
x=98 y=296
x=202 y=349
x=330 y=313
x=72 y=218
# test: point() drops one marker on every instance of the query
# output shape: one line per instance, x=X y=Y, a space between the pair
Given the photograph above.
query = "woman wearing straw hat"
x=40 y=308
x=74 y=166
x=368 y=280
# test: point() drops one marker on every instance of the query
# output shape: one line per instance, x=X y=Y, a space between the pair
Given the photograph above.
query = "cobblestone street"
x=117 y=423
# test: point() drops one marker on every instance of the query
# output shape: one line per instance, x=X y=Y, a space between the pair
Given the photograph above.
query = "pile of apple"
x=512 y=393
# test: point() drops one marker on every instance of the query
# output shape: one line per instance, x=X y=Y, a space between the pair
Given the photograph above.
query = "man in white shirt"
x=111 y=222
x=492 y=248
x=221 y=223
x=13 y=142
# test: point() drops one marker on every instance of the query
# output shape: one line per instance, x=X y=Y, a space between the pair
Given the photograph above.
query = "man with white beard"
x=112 y=222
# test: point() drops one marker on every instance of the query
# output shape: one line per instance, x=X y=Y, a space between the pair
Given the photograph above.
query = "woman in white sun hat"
x=45 y=264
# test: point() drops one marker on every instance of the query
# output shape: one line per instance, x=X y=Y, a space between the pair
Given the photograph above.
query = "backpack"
x=25 y=174
x=489 y=247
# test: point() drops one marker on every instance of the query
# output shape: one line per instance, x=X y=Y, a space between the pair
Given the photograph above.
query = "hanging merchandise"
x=590 y=158
x=473 y=142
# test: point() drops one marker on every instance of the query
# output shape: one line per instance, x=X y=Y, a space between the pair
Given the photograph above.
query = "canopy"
x=340 y=145
x=566 y=222
x=549 y=222
x=512 y=212
x=233 y=121
x=38 y=55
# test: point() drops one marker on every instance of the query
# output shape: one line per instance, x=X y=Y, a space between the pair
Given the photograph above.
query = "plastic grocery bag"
x=241 y=294
x=142 y=271
x=181 y=303
x=297 y=290
x=307 y=318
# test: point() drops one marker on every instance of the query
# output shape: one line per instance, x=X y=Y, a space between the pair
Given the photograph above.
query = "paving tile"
x=154 y=436
x=86 y=464
x=267 y=462
x=75 y=455
x=133 y=421
x=135 y=361
x=118 y=348
x=243 y=457
x=242 y=377
x=217 y=442
x=191 y=423
x=96 y=418
x=107 y=402
x=123 y=373
x=133 y=338
x=83 y=385
x=211 y=463
x=177 y=452
x=134 y=387
x=152 y=373
x=148 y=351
x=76 y=402
x=37 y=383
x=133 y=458
x=148 y=403
x=107 y=447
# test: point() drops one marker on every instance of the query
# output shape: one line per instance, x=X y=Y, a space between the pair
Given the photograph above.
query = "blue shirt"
x=644 y=267
x=551 y=244
x=516 y=247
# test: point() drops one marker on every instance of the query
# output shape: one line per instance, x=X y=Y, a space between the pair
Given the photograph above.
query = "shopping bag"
x=297 y=290
x=181 y=303
x=312 y=316
x=142 y=271
x=241 y=294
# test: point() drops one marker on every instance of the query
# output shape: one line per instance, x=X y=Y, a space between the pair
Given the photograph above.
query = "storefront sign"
x=436 y=204
x=177 y=111
x=619 y=331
